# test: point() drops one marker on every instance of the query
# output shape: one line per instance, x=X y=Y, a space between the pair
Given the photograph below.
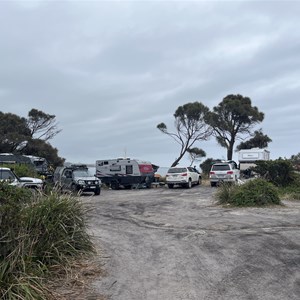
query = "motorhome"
x=125 y=172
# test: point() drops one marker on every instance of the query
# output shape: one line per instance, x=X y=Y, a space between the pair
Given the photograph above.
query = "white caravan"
x=248 y=157
x=125 y=172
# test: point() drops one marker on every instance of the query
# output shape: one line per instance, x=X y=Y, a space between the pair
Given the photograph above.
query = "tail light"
x=230 y=172
x=211 y=173
x=184 y=174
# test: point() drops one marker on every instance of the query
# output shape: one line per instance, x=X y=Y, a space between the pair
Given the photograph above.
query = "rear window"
x=224 y=167
x=177 y=170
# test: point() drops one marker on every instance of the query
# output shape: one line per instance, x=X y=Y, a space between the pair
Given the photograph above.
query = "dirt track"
x=176 y=244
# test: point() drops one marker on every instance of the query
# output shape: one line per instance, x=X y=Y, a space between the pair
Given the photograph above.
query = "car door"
x=66 y=179
x=194 y=175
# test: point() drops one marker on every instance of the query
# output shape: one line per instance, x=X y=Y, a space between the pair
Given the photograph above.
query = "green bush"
x=279 y=172
x=38 y=232
x=291 y=191
x=58 y=224
x=256 y=192
x=22 y=170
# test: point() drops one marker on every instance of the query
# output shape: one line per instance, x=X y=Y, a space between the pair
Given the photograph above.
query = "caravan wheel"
x=115 y=185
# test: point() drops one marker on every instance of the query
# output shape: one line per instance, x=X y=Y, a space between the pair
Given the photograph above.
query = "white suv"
x=224 y=172
x=7 y=175
x=183 y=176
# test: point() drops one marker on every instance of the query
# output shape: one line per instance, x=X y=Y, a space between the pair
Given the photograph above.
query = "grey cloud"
x=111 y=71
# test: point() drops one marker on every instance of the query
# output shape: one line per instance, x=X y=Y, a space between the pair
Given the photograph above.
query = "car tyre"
x=213 y=184
x=97 y=191
x=189 y=184
x=170 y=185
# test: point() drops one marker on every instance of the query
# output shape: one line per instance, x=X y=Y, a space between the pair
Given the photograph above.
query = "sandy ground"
x=163 y=244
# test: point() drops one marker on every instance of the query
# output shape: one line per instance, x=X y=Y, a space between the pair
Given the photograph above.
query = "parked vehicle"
x=183 y=176
x=76 y=178
x=125 y=172
x=249 y=157
x=39 y=164
x=226 y=171
x=7 y=175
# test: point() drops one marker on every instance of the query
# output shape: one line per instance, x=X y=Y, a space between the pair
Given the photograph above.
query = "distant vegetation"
x=277 y=180
x=232 y=119
x=30 y=136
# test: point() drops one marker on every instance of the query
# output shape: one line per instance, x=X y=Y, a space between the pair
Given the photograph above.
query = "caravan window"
x=115 y=168
x=129 y=169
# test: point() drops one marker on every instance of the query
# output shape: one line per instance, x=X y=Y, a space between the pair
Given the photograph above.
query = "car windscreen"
x=224 y=167
x=81 y=173
x=177 y=170
x=6 y=174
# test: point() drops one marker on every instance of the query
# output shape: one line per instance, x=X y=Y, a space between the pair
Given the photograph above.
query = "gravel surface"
x=171 y=244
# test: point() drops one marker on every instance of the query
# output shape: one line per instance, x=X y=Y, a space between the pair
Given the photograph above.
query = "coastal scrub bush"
x=38 y=234
x=22 y=170
x=256 y=192
x=279 y=172
x=292 y=191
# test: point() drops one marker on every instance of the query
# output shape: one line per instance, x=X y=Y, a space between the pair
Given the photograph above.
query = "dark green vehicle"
x=77 y=179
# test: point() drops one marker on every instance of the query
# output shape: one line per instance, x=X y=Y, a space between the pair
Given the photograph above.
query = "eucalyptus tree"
x=190 y=127
x=19 y=135
x=42 y=126
x=258 y=140
x=13 y=132
x=233 y=118
x=195 y=154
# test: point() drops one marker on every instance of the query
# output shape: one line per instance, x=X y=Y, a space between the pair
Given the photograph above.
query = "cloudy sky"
x=112 y=70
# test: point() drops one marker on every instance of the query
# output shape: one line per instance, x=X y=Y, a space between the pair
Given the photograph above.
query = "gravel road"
x=173 y=244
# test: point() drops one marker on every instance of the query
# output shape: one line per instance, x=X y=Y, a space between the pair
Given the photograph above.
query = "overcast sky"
x=111 y=71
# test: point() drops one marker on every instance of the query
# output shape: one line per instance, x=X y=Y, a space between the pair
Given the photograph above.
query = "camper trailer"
x=125 y=172
x=248 y=157
x=40 y=164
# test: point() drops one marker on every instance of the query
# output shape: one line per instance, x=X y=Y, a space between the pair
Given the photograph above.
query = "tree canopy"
x=13 y=132
x=195 y=154
x=42 y=126
x=258 y=140
x=231 y=119
x=190 y=127
x=29 y=136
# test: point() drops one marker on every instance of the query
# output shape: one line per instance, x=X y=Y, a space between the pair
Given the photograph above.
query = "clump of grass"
x=225 y=193
x=256 y=192
x=292 y=191
x=38 y=234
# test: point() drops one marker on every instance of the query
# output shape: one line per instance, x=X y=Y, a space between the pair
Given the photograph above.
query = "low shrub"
x=22 y=170
x=279 y=172
x=38 y=233
x=256 y=192
x=225 y=192
x=292 y=191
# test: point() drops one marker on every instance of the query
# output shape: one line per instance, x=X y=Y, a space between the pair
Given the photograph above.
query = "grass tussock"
x=291 y=192
x=256 y=192
x=39 y=235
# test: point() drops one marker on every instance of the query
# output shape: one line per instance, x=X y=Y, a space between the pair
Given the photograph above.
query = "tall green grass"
x=256 y=192
x=38 y=234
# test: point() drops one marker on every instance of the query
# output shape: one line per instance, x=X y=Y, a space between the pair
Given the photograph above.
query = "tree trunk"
x=175 y=163
x=229 y=152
